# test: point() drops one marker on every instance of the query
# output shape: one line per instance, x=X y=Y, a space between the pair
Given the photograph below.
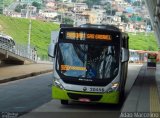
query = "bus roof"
x=100 y=26
x=92 y=26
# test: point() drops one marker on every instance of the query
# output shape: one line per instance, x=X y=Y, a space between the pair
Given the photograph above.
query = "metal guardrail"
x=20 y=50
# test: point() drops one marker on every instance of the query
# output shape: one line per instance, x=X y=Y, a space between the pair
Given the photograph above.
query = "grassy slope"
x=40 y=35
x=143 y=42
x=8 y=2
x=18 y=29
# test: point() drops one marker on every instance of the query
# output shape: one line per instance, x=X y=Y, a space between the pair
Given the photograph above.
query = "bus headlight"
x=58 y=84
x=114 y=87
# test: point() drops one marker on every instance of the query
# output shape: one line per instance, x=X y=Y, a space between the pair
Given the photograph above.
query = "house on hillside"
x=48 y=14
x=82 y=19
x=80 y=7
x=111 y=20
x=51 y=4
x=32 y=12
x=15 y=14
x=30 y=1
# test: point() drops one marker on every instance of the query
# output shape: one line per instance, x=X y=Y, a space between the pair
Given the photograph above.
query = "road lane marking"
x=154 y=99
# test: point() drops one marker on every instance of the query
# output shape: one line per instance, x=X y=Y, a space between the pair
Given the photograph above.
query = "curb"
x=24 y=76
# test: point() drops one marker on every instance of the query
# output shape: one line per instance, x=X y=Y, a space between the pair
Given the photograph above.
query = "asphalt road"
x=31 y=93
x=25 y=95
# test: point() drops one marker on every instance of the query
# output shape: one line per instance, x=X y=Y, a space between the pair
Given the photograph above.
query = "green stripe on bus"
x=112 y=97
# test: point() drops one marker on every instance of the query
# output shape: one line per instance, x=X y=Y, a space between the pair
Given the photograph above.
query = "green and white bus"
x=90 y=64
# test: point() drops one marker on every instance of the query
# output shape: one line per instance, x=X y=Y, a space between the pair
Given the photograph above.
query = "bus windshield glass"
x=87 y=60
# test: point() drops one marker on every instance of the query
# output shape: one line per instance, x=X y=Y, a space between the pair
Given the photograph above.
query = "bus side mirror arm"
x=125 y=55
x=51 y=50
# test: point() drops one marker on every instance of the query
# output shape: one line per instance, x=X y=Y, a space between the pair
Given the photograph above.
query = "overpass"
x=17 y=55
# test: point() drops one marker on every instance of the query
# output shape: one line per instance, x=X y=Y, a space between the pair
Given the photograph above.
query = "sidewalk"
x=144 y=96
x=15 y=72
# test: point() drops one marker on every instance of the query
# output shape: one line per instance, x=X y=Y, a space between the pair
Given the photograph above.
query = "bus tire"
x=121 y=98
x=122 y=93
x=64 y=102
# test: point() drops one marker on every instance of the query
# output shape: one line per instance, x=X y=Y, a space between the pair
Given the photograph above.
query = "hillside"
x=41 y=33
x=18 y=29
x=141 y=41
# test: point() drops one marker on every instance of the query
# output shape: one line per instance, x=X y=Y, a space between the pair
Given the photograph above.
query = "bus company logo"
x=85 y=89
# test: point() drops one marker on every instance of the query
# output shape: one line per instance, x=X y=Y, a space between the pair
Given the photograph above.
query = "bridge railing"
x=20 y=50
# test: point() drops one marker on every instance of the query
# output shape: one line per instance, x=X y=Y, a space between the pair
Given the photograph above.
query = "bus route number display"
x=90 y=36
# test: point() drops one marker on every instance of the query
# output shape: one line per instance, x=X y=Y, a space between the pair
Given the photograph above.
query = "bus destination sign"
x=90 y=36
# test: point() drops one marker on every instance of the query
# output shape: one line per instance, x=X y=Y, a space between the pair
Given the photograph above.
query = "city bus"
x=90 y=64
x=151 y=59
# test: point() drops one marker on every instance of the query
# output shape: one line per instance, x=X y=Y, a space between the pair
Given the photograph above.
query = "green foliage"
x=7 y=2
x=36 y=4
x=124 y=18
x=136 y=3
x=107 y=6
x=109 y=9
x=90 y=3
x=1 y=6
x=68 y=21
x=18 y=29
x=18 y=8
x=141 y=41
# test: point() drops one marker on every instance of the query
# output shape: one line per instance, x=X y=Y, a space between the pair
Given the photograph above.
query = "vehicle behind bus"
x=151 y=60
x=7 y=42
x=90 y=64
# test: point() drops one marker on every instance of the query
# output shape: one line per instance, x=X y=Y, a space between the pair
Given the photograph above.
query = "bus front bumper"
x=111 y=97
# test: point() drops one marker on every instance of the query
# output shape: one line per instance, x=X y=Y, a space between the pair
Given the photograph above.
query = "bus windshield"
x=88 y=61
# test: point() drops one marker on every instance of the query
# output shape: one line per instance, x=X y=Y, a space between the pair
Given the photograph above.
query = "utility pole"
x=28 y=15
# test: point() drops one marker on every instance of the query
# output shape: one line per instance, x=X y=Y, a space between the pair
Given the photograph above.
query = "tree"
x=143 y=2
x=124 y=18
x=90 y=3
x=68 y=21
x=107 y=7
x=1 y=6
x=136 y=3
x=129 y=1
x=112 y=12
x=36 y=4
x=18 y=8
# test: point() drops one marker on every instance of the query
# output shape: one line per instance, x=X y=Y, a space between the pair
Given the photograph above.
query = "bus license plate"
x=84 y=100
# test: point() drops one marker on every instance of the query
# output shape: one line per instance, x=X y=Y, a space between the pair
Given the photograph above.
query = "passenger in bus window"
x=108 y=64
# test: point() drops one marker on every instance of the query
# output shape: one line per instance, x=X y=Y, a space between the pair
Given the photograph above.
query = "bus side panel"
x=112 y=97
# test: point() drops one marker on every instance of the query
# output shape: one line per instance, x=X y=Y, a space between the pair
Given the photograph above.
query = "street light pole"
x=29 y=35
x=28 y=15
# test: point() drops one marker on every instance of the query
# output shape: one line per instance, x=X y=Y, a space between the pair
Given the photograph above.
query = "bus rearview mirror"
x=51 y=50
x=125 y=55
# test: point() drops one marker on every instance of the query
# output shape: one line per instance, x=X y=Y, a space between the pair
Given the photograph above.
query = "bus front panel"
x=87 y=59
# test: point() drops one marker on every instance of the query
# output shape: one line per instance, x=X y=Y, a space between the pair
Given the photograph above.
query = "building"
x=96 y=16
x=80 y=7
x=81 y=19
x=48 y=13
x=50 y=4
x=32 y=12
x=30 y=1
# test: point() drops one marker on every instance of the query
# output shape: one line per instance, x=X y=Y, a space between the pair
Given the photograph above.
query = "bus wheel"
x=122 y=96
x=64 y=102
